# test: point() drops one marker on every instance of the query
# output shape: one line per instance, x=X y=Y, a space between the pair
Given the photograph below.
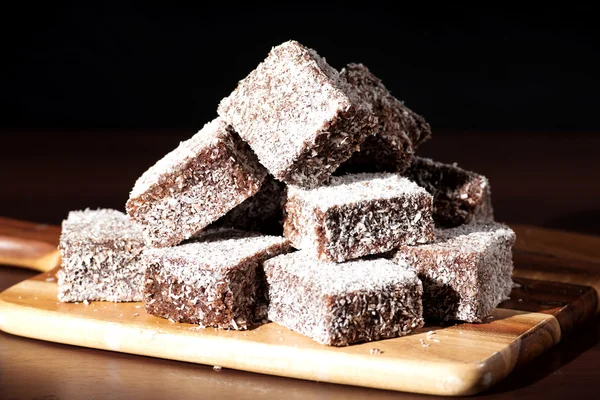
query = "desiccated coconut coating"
x=298 y=116
x=194 y=185
x=341 y=304
x=400 y=131
x=466 y=272
x=459 y=196
x=260 y=213
x=100 y=252
x=357 y=215
x=214 y=280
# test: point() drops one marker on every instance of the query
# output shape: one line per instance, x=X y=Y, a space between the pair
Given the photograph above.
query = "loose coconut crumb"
x=375 y=351
x=217 y=368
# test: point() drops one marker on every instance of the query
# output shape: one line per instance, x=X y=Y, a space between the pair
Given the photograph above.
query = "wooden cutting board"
x=555 y=294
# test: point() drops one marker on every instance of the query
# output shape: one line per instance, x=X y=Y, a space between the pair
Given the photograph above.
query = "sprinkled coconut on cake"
x=297 y=114
x=100 y=252
x=214 y=280
x=357 y=215
x=345 y=303
x=194 y=185
x=466 y=272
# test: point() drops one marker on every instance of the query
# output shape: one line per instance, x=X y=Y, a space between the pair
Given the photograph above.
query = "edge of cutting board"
x=457 y=360
x=558 y=292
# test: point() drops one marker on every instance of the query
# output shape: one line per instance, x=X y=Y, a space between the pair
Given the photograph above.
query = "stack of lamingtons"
x=302 y=203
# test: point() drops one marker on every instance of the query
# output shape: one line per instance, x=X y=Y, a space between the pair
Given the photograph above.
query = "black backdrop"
x=143 y=67
x=91 y=96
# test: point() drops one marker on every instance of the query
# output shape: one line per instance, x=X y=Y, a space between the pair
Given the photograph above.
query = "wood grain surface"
x=455 y=360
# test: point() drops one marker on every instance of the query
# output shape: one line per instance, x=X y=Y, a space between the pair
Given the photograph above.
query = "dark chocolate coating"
x=401 y=131
x=459 y=196
x=260 y=213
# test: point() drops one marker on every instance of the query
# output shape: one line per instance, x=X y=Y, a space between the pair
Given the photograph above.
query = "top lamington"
x=298 y=115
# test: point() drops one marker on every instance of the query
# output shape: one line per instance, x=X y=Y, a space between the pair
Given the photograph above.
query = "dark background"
x=167 y=67
x=94 y=95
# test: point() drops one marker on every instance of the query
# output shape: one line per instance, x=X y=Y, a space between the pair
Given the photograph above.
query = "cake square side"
x=401 y=131
x=459 y=196
x=298 y=116
x=466 y=272
x=358 y=215
x=341 y=304
x=194 y=185
x=214 y=280
x=100 y=252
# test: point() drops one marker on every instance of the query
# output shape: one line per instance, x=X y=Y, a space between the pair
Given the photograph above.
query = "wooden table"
x=545 y=180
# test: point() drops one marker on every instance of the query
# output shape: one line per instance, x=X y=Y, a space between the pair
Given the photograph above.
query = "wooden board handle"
x=29 y=245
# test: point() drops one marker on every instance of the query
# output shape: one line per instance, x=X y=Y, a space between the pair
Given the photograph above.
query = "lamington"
x=341 y=304
x=401 y=131
x=297 y=114
x=214 y=280
x=192 y=186
x=357 y=215
x=100 y=252
x=466 y=272
x=459 y=196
